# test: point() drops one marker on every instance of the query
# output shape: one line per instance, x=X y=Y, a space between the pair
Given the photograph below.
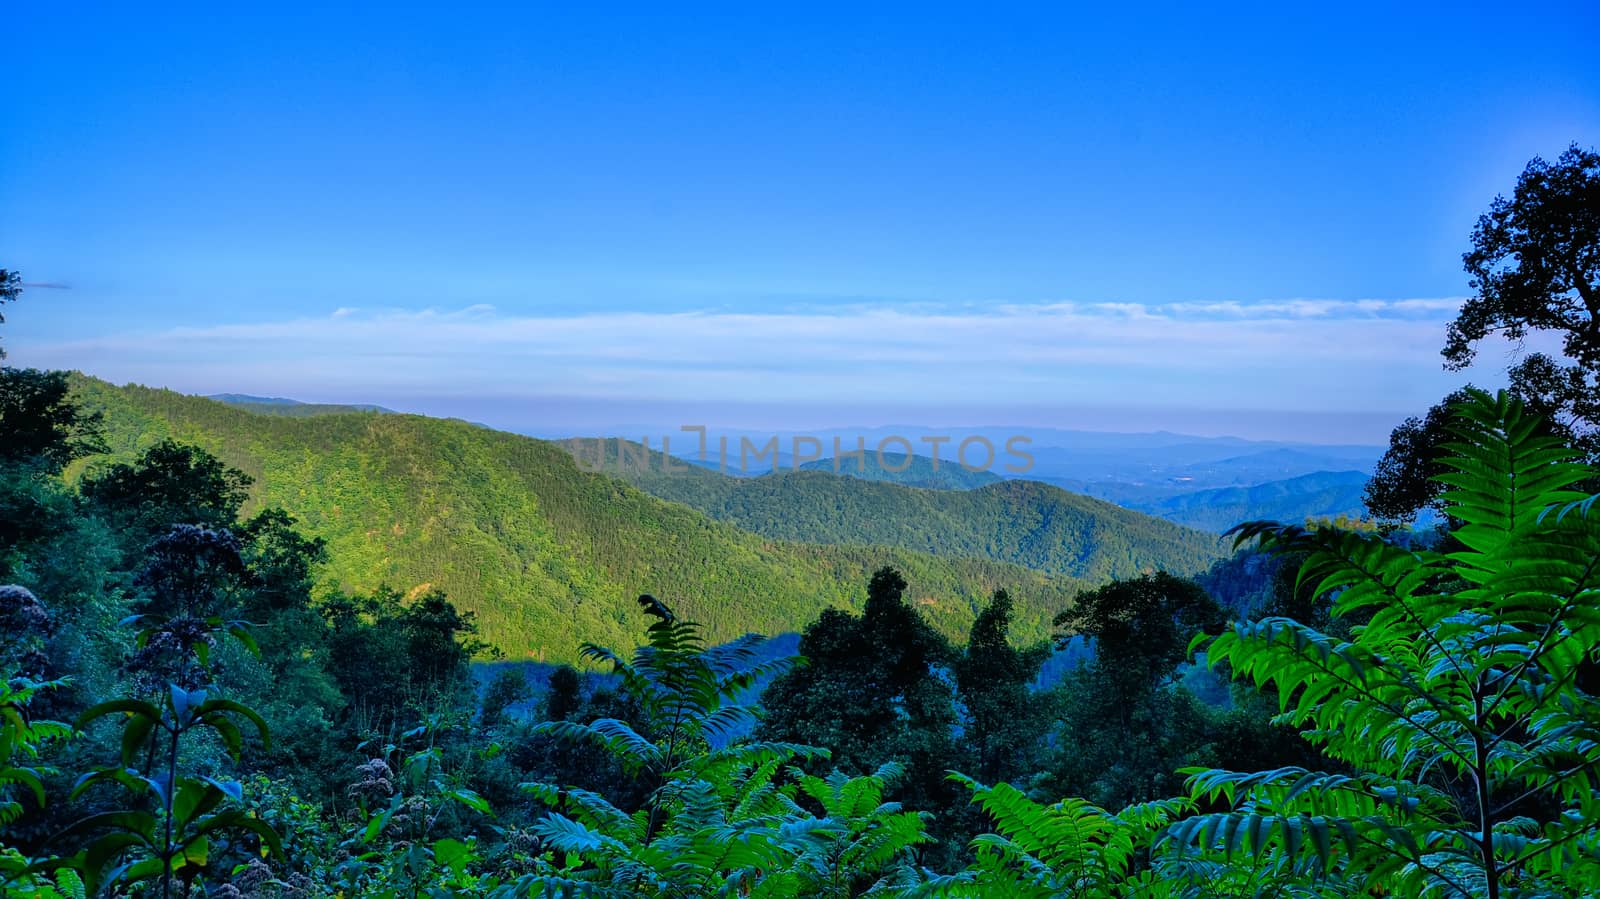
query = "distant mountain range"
x=547 y=554
x=1312 y=495
x=1194 y=466
x=1322 y=494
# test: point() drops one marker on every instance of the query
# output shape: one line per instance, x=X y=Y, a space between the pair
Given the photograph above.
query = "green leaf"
x=452 y=854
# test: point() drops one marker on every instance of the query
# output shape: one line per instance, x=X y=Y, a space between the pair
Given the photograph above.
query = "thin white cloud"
x=1308 y=355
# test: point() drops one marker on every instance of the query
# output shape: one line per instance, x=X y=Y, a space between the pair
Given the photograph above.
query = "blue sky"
x=1114 y=217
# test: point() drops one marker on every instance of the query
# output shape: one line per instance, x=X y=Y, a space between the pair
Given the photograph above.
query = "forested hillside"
x=546 y=555
x=912 y=471
x=237 y=728
x=1022 y=522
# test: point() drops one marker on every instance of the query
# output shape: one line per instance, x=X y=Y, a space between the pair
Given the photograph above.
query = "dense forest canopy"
x=548 y=556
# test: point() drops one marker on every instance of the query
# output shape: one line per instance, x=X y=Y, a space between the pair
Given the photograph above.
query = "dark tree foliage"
x=367 y=657
x=283 y=561
x=542 y=757
x=1534 y=267
x=564 y=694
x=169 y=483
x=41 y=422
x=41 y=430
x=1242 y=584
x=1141 y=627
x=397 y=660
x=32 y=510
x=1004 y=720
x=506 y=688
x=10 y=290
x=870 y=689
x=440 y=641
x=1121 y=740
x=1125 y=729
x=874 y=689
x=1535 y=262
x=1402 y=484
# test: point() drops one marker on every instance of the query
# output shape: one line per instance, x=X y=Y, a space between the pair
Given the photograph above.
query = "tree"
x=283 y=562
x=170 y=483
x=1535 y=263
x=546 y=758
x=1534 y=267
x=1125 y=724
x=1473 y=747
x=41 y=430
x=876 y=689
x=506 y=688
x=869 y=690
x=563 y=695
x=10 y=290
x=440 y=643
x=1141 y=627
x=41 y=422
x=872 y=690
x=1005 y=719
x=276 y=598
x=367 y=657
x=1403 y=483
x=397 y=661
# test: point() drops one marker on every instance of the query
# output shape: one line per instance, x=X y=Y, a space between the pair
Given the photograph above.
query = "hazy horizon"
x=563 y=417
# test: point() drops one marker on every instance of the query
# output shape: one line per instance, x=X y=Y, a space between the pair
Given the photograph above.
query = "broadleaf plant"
x=724 y=815
x=1460 y=705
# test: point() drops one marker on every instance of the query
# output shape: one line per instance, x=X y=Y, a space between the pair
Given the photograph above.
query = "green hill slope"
x=917 y=471
x=546 y=554
x=1036 y=525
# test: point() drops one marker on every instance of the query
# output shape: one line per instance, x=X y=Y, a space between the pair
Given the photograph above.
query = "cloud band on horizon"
x=1334 y=356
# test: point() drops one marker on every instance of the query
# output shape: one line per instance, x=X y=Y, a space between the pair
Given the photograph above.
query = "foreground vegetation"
x=1436 y=734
